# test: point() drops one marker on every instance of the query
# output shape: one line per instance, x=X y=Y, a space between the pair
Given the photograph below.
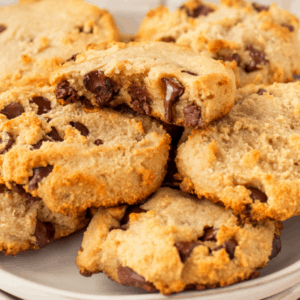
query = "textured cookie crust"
x=38 y=35
x=74 y=159
x=167 y=81
x=166 y=245
x=232 y=31
x=26 y=223
x=256 y=146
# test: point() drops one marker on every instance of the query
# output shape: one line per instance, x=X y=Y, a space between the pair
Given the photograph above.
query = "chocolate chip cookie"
x=260 y=42
x=26 y=223
x=163 y=80
x=175 y=242
x=74 y=158
x=249 y=160
x=36 y=36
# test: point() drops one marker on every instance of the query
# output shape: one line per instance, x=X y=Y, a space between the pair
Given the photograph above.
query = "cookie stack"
x=172 y=148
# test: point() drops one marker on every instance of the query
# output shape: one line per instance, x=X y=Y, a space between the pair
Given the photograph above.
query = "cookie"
x=249 y=160
x=74 y=159
x=260 y=42
x=36 y=36
x=26 y=223
x=175 y=242
x=162 y=80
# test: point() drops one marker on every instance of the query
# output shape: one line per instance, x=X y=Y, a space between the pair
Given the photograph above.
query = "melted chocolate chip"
x=98 y=142
x=65 y=92
x=261 y=91
x=39 y=144
x=7 y=140
x=81 y=128
x=44 y=105
x=130 y=210
x=289 y=27
x=209 y=235
x=234 y=57
x=168 y=39
x=104 y=88
x=185 y=249
x=38 y=175
x=276 y=247
x=2 y=28
x=259 y=7
x=12 y=110
x=174 y=90
x=259 y=58
x=54 y=135
x=191 y=73
x=200 y=10
x=128 y=277
x=257 y=195
x=44 y=232
x=192 y=115
x=140 y=99
x=229 y=246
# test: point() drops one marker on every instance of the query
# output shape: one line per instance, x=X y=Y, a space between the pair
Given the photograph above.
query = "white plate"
x=50 y=273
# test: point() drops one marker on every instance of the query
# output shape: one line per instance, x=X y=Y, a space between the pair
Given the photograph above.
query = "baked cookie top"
x=74 y=158
x=174 y=242
x=249 y=160
x=38 y=35
x=260 y=42
x=166 y=81
x=26 y=223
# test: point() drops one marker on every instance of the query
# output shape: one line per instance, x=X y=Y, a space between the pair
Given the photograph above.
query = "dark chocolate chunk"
x=98 y=142
x=12 y=110
x=44 y=105
x=140 y=99
x=3 y=188
x=65 y=92
x=289 y=27
x=185 y=249
x=209 y=235
x=81 y=128
x=2 y=28
x=168 y=39
x=39 y=144
x=276 y=247
x=234 y=57
x=104 y=88
x=192 y=115
x=44 y=232
x=54 y=135
x=257 y=195
x=261 y=91
x=200 y=10
x=18 y=188
x=259 y=58
x=174 y=90
x=38 y=175
x=229 y=246
x=7 y=140
x=128 y=277
x=259 y=7
x=191 y=73
x=131 y=209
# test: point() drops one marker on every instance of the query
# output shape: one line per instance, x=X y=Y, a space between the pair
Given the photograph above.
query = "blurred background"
x=129 y=13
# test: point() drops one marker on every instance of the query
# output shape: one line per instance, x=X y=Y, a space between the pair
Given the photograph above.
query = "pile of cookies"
x=180 y=151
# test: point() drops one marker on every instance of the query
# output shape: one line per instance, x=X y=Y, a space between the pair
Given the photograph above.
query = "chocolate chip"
x=192 y=115
x=200 y=10
x=174 y=90
x=259 y=58
x=2 y=28
x=261 y=91
x=185 y=249
x=289 y=27
x=102 y=86
x=81 y=128
x=128 y=277
x=3 y=188
x=98 y=142
x=18 y=188
x=191 y=73
x=257 y=195
x=44 y=232
x=168 y=39
x=229 y=246
x=276 y=247
x=65 y=92
x=39 y=144
x=54 y=135
x=130 y=210
x=44 y=105
x=209 y=235
x=84 y=101
x=12 y=110
x=234 y=57
x=38 y=175
x=86 y=273
x=7 y=140
x=140 y=99
x=259 y=7
x=30 y=200
x=72 y=58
